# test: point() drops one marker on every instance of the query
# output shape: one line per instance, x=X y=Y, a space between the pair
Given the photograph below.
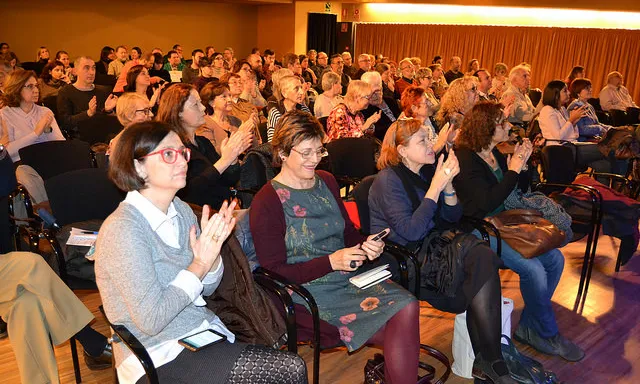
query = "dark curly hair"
x=479 y=126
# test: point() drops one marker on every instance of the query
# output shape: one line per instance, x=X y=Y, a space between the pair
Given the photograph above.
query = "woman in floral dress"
x=301 y=231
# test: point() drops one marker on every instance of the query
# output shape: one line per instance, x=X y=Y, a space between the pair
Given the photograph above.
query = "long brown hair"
x=171 y=105
x=399 y=133
x=13 y=86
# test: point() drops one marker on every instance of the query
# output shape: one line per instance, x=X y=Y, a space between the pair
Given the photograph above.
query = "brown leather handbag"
x=526 y=231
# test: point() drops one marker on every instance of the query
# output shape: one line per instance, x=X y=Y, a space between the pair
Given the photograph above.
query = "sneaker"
x=557 y=345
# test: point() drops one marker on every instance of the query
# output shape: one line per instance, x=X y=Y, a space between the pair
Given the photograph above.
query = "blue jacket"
x=588 y=125
x=390 y=207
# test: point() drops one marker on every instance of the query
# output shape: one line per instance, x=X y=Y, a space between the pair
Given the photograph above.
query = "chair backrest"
x=353 y=157
x=51 y=102
x=535 y=95
x=7 y=174
x=107 y=80
x=595 y=103
x=81 y=195
x=323 y=121
x=533 y=130
x=135 y=346
x=100 y=128
x=361 y=196
x=558 y=164
x=55 y=157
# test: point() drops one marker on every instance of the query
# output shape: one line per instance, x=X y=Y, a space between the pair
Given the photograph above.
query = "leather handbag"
x=524 y=369
x=526 y=231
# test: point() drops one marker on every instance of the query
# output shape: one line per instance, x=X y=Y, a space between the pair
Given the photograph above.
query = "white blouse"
x=555 y=125
x=17 y=129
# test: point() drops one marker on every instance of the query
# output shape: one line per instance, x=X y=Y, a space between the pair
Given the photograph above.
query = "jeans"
x=539 y=278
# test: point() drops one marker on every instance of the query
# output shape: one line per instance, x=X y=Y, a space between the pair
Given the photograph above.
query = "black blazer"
x=477 y=187
x=384 y=123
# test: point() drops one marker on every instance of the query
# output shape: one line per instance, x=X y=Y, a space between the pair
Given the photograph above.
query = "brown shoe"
x=104 y=361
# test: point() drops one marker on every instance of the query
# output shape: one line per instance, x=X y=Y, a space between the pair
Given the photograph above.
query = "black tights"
x=484 y=323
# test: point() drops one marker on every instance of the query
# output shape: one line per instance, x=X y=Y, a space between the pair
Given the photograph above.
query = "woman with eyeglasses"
x=301 y=231
x=131 y=108
x=485 y=181
x=413 y=195
x=23 y=123
x=346 y=119
x=154 y=263
x=461 y=96
x=415 y=105
x=211 y=174
x=424 y=80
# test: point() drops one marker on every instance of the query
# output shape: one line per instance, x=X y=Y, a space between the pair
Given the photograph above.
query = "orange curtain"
x=552 y=52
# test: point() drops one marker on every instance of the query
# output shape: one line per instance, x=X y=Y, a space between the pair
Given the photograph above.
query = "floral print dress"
x=315 y=228
x=342 y=123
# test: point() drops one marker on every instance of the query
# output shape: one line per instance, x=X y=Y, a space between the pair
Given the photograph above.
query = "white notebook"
x=372 y=277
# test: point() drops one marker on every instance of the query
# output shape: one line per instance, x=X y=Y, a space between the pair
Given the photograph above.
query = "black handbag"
x=525 y=369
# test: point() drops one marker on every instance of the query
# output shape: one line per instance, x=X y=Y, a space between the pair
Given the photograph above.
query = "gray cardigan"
x=133 y=270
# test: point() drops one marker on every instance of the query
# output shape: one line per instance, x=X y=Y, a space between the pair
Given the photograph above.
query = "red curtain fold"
x=552 y=52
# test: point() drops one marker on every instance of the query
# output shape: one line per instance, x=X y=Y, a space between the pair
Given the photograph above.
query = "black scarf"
x=411 y=180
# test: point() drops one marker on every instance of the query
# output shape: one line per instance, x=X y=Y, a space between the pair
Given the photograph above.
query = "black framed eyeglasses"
x=170 y=155
x=145 y=111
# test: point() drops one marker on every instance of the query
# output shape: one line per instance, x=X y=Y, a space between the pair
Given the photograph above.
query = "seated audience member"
x=378 y=105
x=42 y=58
x=472 y=67
x=577 y=72
x=251 y=91
x=229 y=60
x=132 y=107
x=424 y=79
x=438 y=83
x=436 y=60
x=307 y=74
x=388 y=84
x=301 y=231
x=321 y=64
x=289 y=95
x=336 y=65
x=135 y=53
x=349 y=69
x=364 y=65
x=417 y=62
x=415 y=105
x=154 y=264
x=240 y=108
x=13 y=61
x=312 y=55
x=459 y=99
x=53 y=78
x=326 y=101
x=484 y=85
x=217 y=60
x=292 y=62
x=107 y=55
x=588 y=125
x=346 y=119
x=139 y=81
x=219 y=123
x=500 y=82
x=83 y=99
x=116 y=66
x=157 y=69
x=407 y=72
x=522 y=109
x=147 y=60
x=210 y=174
x=454 y=71
x=41 y=310
x=191 y=72
x=23 y=122
x=174 y=62
x=485 y=181
x=558 y=126
x=206 y=73
x=615 y=96
x=63 y=57
x=409 y=196
x=209 y=50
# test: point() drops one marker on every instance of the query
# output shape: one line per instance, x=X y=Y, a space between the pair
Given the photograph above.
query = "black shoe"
x=103 y=361
x=557 y=345
x=485 y=370
x=3 y=329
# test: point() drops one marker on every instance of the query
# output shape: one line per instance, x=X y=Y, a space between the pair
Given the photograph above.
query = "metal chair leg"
x=74 y=357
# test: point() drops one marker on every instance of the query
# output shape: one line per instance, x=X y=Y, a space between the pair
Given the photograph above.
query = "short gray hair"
x=372 y=78
x=518 y=70
x=329 y=79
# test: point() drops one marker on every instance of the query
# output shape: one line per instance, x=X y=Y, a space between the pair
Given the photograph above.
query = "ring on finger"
x=353 y=264
x=447 y=171
x=520 y=156
x=216 y=238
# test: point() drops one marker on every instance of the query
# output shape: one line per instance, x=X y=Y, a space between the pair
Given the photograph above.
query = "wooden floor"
x=608 y=329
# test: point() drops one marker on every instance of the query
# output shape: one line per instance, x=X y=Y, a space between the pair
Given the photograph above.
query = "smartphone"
x=380 y=235
x=202 y=340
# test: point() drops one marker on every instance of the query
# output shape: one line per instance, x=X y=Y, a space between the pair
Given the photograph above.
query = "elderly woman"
x=407 y=71
x=327 y=100
x=53 y=78
x=22 y=123
x=388 y=84
x=302 y=231
x=415 y=105
x=409 y=196
x=153 y=264
x=387 y=108
x=438 y=82
x=559 y=126
x=346 y=119
x=589 y=125
x=211 y=174
x=499 y=82
x=424 y=80
x=485 y=181
x=289 y=95
x=459 y=99
x=219 y=123
x=131 y=108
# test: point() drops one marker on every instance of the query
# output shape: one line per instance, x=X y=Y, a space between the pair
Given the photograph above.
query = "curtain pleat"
x=552 y=52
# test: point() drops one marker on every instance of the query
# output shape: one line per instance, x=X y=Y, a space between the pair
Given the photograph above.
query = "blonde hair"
x=275 y=78
x=357 y=88
x=126 y=107
x=399 y=133
x=500 y=68
x=455 y=100
x=422 y=73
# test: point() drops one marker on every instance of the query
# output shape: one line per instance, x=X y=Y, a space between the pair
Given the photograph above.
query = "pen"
x=89 y=232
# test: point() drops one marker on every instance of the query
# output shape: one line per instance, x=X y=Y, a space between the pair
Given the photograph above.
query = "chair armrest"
x=594 y=194
x=486 y=229
x=50 y=236
x=611 y=176
x=290 y=315
x=401 y=254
